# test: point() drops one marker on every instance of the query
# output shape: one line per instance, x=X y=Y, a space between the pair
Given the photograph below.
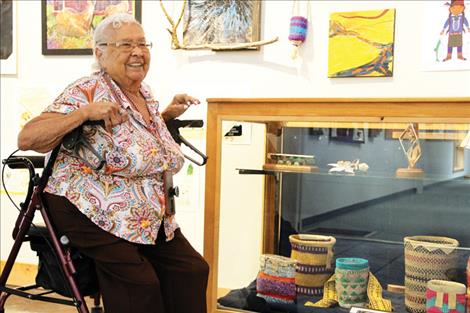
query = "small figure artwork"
x=445 y=42
x=454 y=27
x=409 y=142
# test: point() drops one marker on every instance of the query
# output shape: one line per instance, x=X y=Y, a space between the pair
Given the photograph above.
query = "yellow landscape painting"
x=361 y=44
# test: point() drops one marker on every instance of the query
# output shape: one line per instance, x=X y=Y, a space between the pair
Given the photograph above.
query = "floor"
x=17 y=304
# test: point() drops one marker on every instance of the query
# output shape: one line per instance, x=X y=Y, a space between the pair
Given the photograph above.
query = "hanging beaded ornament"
x=298 y=29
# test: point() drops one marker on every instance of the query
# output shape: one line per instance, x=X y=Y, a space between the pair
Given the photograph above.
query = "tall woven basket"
x=426 y=258
x=314 y=255
x=468 y=285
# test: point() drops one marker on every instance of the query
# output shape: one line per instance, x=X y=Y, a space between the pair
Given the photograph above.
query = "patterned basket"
x=314 y=255
x=426 y=258
x=468 y=285
x=276 y=279
x=352 y=276
x=445 y=297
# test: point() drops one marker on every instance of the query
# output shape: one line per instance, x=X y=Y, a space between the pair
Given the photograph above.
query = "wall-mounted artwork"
x=221 y=22
x=7 y=37
x=446 y=35
x=361 y=44
x=351 y=135
x=67 y=25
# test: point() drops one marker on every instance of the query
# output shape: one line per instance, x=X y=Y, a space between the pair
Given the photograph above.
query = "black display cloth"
x=246 y=299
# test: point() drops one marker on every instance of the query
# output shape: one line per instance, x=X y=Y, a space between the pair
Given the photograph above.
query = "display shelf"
x=291 y=168
x=358 y=175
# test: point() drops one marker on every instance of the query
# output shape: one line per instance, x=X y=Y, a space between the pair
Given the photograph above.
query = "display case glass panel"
x=394 y=191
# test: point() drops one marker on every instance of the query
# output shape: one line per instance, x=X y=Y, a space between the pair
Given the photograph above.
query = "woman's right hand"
x=111 y=113
x=46 y=131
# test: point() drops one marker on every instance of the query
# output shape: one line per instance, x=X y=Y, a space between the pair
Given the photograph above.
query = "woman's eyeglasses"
x=128 y=46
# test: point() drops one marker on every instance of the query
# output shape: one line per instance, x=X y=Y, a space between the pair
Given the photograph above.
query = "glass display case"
x=300 y=193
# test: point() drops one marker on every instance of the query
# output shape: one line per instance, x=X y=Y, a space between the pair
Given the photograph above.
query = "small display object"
x=348 y=167
x=291 y=162
x=409 y=142
x=445 y=297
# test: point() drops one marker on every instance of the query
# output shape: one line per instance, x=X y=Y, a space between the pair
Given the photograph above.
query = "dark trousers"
x=169 y=277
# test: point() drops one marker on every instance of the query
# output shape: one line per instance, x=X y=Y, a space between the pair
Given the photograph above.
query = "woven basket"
x=276 y=279
x=314 y=255
x=468 y=285
x=352 y=277
x=426 y=258
x=445 y=297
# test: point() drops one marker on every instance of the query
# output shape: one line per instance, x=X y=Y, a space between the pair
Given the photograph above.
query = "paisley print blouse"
x=126 y=196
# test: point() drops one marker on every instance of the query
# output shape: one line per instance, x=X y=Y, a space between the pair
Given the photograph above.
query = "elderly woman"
x=116 y=215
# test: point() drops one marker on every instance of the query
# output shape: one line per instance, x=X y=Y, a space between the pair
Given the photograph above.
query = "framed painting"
x=8 y=37
x=221 y=23
x=361 y=44
x=67 y=25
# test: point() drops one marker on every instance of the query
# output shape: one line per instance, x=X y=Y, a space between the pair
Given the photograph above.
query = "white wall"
x=205 y=74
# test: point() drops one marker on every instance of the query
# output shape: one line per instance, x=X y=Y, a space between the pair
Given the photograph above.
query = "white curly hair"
x=102 y=31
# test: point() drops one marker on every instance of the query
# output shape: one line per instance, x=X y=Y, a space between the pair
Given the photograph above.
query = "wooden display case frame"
x=275 y=111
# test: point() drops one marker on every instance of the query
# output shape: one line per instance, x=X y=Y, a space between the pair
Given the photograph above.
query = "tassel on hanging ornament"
x=297 y=33
x=298 y=28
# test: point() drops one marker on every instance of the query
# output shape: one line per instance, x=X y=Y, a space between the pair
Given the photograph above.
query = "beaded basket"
x=314 y=255
x=445 y=297
x=276 y=279
x=426 y=258
x=468 y=285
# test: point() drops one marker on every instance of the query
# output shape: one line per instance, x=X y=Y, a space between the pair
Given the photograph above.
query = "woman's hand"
x=111 y=113
x=178 y=106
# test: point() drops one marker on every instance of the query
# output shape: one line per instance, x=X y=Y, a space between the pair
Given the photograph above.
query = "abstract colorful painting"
x=67 y=25
x=361 y=44
x=221 y=22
